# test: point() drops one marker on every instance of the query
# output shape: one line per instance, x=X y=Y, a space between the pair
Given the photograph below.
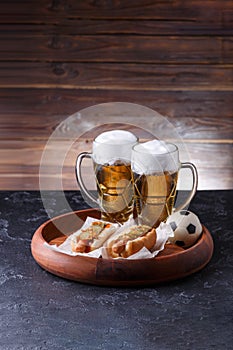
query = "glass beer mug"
x=155 y=166
x=111 y=156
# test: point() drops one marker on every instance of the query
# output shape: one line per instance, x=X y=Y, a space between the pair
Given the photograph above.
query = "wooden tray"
x=172 y=263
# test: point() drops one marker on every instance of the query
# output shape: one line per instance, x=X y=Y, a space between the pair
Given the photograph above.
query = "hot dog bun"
x=92 y=237
x=131 y=241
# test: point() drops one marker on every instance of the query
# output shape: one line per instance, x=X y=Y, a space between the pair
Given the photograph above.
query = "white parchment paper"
x=163 y=231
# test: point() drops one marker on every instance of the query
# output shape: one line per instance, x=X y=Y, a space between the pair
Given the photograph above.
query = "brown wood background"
x=59 y=56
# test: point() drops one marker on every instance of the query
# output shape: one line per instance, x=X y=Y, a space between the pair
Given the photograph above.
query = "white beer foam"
x=153 y=147
x=116 y=136
x=155 y=157
x=113 y=145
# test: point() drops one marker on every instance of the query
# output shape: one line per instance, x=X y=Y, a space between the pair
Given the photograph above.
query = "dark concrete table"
x=42 y=311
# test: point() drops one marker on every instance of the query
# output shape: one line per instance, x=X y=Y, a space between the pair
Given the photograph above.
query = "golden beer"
x=111 y=156
x=115 y=190
x=154 y=196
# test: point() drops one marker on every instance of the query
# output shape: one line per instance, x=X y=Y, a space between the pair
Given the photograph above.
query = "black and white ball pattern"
x=186 y=226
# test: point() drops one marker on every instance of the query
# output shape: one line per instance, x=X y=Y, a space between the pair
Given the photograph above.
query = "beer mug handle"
x=194 y=187
x=78 y=166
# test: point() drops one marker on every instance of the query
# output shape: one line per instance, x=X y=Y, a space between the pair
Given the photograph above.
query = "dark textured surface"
x=42 y=311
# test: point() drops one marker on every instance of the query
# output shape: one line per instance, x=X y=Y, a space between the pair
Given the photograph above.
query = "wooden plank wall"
x=60 y=56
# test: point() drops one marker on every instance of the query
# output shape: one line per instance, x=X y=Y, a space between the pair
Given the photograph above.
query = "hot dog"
x=131 y=240
x=92 y=237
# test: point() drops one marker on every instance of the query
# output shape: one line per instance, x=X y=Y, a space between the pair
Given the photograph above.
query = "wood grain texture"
x=191 y=128
x=57 y=102
x=115 y=272
x=203 y=11
x=132 y=26
x=20 y=162
x=58 y=57
x=118 y=76
x=114 y=48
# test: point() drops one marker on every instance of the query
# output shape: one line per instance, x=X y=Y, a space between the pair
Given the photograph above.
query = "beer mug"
x=155 y=167
x=111 y=156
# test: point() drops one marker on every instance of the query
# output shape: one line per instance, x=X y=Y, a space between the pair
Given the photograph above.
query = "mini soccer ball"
x=186 y=226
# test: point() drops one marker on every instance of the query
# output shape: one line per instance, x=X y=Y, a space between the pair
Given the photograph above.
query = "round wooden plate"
x=172 y=263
